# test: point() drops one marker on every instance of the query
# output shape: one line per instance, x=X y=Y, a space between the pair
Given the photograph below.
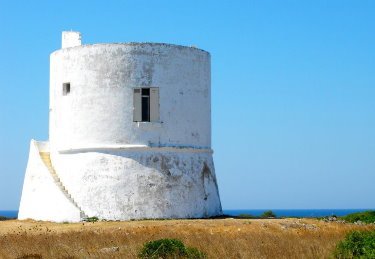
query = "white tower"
x=130 y=135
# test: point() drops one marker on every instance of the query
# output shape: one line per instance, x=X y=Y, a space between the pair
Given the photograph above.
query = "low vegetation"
x=365 y=217
x=357 y=244
x=169 y=248
x=217 y=238
x=92 y=219
x=246 y=216
x=5 y=218
x=268 y=214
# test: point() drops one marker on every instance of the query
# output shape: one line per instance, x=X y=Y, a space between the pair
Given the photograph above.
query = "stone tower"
x=129 y=135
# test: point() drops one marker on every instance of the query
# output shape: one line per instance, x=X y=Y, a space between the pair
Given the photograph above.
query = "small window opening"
x=66 y=88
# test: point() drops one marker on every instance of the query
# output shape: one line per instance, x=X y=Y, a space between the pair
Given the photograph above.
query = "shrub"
x=268 y=214
x=246 y=216
x=5 y=218
x=169 y=248
x=366 y=217
x=357 y=244
x=92 y=219
x=162 y=248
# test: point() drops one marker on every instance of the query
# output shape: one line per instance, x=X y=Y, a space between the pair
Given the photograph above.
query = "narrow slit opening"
x=66 y=88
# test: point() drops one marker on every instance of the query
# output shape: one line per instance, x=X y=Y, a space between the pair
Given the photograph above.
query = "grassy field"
x=219 y=238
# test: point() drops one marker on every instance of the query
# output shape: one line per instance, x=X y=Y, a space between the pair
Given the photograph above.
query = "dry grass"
x=219 y=238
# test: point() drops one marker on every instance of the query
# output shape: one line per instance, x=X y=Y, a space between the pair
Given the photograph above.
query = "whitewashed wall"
x=99 y=109
x=146 y=184
x=115 y=168
x=41 y=197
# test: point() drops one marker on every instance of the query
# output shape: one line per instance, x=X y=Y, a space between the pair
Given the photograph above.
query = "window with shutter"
x=146 y=104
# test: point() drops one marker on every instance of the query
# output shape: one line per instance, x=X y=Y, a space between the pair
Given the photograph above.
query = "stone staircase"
x=47 y=161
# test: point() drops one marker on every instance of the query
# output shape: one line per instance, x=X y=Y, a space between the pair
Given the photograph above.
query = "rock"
x=110 y=249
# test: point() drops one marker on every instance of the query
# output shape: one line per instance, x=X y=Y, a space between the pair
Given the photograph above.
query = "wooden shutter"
x=154 y=104
x=137 y=104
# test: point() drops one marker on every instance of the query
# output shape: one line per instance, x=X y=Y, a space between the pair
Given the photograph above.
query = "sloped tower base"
x=120 y=184
x=42 y=199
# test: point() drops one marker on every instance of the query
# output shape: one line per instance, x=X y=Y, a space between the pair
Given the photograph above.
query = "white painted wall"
x=99 y=109
x=70 y=39
x=126 y=185
x=41 y=198
x=115 y=168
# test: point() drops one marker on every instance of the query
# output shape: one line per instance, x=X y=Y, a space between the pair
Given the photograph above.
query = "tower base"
x=120 y=184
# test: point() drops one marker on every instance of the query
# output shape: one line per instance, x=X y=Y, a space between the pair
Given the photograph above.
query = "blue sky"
x=293 y=89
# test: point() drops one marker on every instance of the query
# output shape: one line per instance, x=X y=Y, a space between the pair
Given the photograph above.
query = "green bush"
x=169 y=248
x=268 y=214
x=366 y=217
x=5 y=218
x=357 y=244
x=92 y=219
x=246 y=216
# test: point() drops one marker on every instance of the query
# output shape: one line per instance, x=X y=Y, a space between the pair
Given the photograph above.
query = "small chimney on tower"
x=71 y=39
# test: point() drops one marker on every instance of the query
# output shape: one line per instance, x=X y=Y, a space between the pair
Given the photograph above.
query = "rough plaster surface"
x=134 y=185
x=70 y=39
x=99 y=109
x=41 y=198
x=115 y=168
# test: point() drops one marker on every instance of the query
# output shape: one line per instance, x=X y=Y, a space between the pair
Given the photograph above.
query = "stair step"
x=46 y=158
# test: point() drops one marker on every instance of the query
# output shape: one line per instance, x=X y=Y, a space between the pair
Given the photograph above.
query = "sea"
x=258 y=212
